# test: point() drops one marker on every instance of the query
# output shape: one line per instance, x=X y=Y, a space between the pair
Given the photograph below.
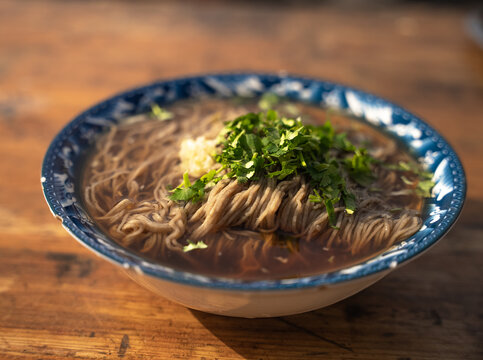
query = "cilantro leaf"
x=268 y=101
x=422 y=185
x=160 y=113
x=424 y=188
x=193 y=192
x=359 y=167
x=255 y=146
x=266 y=145
x=192 y=246
x=349 y=201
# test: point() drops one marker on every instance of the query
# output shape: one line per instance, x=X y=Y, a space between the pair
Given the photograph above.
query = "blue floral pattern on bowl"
x=64 y=157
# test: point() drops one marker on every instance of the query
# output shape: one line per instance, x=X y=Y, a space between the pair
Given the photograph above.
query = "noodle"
x=129 y=174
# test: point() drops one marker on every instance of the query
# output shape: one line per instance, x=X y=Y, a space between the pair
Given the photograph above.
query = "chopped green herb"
x=188 y=192
x=291 y=109
x=268 y=101
x=424 y=182
x=406 y=180
x=424 y=188
x=260 y=145
x=255 y=146
x=404 y=166
x=350 y=202
x=194 y=192
x=359 y=167
x=193 y=246
x=160 y=113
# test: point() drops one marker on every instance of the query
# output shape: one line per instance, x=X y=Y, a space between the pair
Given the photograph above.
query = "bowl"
x=63 y=160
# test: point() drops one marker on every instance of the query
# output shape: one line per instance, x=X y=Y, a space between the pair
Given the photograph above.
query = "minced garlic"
x=197 y=155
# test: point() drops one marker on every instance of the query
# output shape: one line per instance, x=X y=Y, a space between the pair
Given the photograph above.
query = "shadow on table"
x=412 y=312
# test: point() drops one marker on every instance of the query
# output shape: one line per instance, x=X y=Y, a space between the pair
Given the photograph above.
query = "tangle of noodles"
x=263 y=229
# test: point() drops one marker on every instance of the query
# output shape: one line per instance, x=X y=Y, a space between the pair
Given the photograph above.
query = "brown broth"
x=287 y=257
x=279 y=262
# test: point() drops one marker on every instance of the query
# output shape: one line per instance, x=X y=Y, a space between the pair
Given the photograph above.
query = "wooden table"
x=58 y=300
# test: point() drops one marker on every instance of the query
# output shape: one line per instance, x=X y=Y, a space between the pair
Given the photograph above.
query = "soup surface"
x=266 y=228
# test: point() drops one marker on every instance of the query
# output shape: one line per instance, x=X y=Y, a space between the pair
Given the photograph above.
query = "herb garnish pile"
x=266 y=145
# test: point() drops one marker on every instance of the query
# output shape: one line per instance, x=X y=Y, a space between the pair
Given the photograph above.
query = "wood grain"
x=58 y=300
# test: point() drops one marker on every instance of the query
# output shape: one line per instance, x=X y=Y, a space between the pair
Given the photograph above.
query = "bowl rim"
x=141 y=265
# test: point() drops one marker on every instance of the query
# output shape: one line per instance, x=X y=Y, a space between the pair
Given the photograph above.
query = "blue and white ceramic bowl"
x=60 y=174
